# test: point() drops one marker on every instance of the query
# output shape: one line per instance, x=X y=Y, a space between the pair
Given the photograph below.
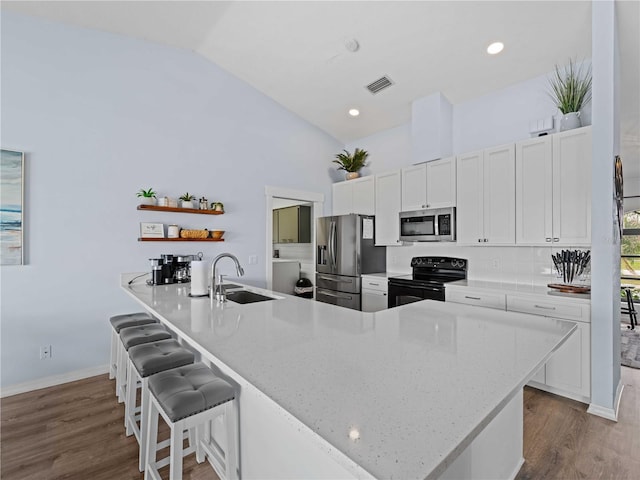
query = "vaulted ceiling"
x=299 y=53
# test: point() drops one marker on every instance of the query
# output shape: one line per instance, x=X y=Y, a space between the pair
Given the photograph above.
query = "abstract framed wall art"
x=11 y=207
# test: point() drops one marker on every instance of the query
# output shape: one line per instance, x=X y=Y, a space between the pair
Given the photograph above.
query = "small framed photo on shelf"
x=151 y=230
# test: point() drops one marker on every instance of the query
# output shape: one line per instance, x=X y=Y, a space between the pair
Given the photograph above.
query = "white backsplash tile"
x=523 y=265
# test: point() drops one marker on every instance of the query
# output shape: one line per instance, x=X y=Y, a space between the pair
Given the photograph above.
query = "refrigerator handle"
x=332 y=245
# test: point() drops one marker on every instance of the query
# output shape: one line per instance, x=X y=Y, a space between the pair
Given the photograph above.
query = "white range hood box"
x=431 y=128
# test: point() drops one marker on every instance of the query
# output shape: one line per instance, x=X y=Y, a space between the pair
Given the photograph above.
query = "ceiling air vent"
x=380 y=84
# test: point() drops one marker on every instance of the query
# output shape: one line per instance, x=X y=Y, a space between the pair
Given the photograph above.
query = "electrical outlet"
x=253 y=259
x=496 y=263
x=45 y=352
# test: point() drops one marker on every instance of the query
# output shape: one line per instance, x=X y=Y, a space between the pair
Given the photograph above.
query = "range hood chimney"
x=431 y=128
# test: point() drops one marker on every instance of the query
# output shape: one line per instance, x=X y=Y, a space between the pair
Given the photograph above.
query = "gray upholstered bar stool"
x=119 y=322
x=186 y=398
x=146 y=360
x=130 y=337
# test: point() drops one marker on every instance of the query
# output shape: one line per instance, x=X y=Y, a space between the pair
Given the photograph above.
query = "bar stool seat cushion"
x=119 y=322
x=154 y=357
x=153 y=332
x=188 y=390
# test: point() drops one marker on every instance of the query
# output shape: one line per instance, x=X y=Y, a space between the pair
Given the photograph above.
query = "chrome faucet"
x=217 y=290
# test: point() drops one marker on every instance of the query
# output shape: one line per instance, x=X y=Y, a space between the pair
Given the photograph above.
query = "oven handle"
x=410 y=287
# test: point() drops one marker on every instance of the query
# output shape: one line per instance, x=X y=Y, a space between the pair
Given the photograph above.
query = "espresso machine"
x=172 y=268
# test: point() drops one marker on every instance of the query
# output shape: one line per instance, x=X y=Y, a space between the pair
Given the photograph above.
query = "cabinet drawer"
x=566 y=310
x=377 y=284
x=478 y=298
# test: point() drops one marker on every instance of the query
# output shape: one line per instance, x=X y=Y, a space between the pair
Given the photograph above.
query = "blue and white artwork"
x=11 y=207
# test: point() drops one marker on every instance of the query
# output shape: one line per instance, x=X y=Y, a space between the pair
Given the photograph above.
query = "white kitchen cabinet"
x=553 y=189
x=486 y=196
x=374 y=294
x=387 y=201
x=479 y=298
x=429 y=185
x=441 y=183
x=354 y=196
x=572 y=152
x=568 y=371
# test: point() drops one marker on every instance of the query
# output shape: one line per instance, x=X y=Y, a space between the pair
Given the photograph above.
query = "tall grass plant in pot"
x=570 y=91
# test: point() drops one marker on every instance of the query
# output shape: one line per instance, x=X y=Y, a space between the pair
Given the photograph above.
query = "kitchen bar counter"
x=402 y=393
x=506 y=288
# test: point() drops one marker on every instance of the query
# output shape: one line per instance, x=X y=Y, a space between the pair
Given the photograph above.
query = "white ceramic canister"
x=173 y=231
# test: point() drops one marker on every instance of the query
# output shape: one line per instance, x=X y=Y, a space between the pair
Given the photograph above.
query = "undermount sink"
x=245 y=296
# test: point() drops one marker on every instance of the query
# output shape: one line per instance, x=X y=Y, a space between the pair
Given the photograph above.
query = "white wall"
x=101 y=116
x=605 y=244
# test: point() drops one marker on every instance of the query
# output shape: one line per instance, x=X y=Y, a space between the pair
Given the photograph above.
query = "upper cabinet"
x=553 y=189
x=429 y=185
x=486 y=196
x=388 y=199
x=292 y=224
x=354 y=196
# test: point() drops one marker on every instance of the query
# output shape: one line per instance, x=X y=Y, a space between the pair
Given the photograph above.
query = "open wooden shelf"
x=151 y=239
x=178 y=210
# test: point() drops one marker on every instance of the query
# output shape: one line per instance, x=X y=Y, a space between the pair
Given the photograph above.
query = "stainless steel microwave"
x=430 y=225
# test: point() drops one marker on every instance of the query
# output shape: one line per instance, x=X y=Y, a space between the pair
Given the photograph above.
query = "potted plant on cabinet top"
x=352 y=162
x=147 y=197
x=571 y=90
x=186 y=200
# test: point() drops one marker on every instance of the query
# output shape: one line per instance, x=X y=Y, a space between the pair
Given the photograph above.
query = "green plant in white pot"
x=352 y=162
x=147 y=197
x=186 y=200
x=570 y=91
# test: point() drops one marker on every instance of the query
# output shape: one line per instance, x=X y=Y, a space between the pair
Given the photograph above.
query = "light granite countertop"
x=418 y=382
x=515 y=288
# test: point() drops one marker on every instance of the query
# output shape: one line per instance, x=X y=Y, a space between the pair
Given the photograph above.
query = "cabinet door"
x=534 y=179
x=364 y=195
x=342 y=198
x=288 y=225
x=388 y=201
x=499 y=190
x=441 y=183
x=470 y=191
x=569 y=368
x=572 y=154
x=414 y=187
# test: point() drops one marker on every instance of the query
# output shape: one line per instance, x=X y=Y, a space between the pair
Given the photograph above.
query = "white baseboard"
x=608 y=413
x=53 y=380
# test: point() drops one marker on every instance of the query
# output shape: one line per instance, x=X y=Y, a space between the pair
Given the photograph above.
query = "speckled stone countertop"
x=515 y=288
x=418 y=382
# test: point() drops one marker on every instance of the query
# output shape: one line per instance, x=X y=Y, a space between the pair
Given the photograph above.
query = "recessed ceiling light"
x=354 y=112
x=495 y=47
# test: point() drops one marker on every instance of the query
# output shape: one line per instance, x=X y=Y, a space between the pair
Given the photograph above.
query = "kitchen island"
x=426 y=390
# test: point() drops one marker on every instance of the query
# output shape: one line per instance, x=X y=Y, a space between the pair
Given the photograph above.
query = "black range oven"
x=427 y=282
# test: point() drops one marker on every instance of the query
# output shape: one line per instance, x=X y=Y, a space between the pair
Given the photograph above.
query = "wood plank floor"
x=75 y=431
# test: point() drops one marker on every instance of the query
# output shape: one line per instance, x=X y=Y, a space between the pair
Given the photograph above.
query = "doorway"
x=276 y=198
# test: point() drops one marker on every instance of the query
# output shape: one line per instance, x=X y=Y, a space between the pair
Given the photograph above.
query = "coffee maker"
x=172 y=268
x=156 y=271
x=182 y=270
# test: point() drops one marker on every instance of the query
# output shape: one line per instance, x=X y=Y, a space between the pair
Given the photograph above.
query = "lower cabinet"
x=374 y=294
x=568 y=371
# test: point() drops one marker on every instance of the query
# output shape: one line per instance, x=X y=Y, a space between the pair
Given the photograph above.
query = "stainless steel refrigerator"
x=345 y=251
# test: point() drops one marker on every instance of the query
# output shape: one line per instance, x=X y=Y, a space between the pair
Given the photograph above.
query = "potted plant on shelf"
x=571 y=90
x=217 y=207
x=186 y=200
x=352 y=162
x=147 y=197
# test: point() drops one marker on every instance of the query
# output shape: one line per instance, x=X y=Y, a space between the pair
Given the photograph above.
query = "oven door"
x=417 y=226
x=405 y=294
